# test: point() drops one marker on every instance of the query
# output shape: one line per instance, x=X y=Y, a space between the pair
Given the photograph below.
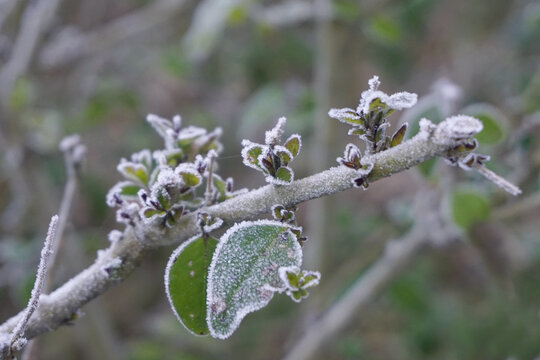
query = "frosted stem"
x=17 y=341
x=208 y=194
x=498 y=180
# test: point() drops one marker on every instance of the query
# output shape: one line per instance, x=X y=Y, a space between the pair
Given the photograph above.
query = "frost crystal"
x=457 y=128
x=115 y=236
x=396 y=101
x=273 y=137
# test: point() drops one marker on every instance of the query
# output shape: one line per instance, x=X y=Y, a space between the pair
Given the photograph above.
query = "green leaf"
x=283 y=154
x=186 y=282
x=244 y=274
x=293 y=144
x=253 y=154
x=129 y=190
x=134 y=172
x=285 y=174
x=494 y=122
x=469 y=207
x=190 y=178
x=398 y=136
x=220 y=185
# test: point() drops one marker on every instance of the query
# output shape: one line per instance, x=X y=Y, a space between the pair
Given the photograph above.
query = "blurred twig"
x=285 y=14
x=74 y=153
x=35 y=20
x=14 y=212
x=71 y=45
x=397 y=255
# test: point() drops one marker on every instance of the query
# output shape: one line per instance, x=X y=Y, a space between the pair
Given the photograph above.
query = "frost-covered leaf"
x=186 y=282
x=347 y=116
x=250 y=153
x=285 y=174
x=134 y=172
x=297 y=281
x=283 y=154
x=280 y=213
x=468 y=207
x=293 y=144
x=243 y=275
x=398 y=136
x=123 y=190
x=189 y=174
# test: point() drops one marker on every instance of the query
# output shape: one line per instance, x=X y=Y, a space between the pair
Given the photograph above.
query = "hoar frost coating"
x=255 y=295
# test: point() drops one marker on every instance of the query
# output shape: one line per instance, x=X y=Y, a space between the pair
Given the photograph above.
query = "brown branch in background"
x=397 y=255
x=35 y=20
x=71 y=45
x=74 y=153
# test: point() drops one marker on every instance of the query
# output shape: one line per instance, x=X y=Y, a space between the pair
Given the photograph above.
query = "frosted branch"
x=498 y=180
x=18 y=341
x=63 y=305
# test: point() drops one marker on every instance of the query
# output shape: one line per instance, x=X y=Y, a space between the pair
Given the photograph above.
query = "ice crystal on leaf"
x=243 y=275
x=273 y=159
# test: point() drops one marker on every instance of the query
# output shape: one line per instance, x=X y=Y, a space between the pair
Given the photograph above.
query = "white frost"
x=396 y=101
x=456 y=128
x=273 y=137
x=253 y=295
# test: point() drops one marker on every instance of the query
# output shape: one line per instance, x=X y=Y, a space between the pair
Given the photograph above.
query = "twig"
x=526 y=205
x=69 y=47
x=73 y=156
x=498 y=180
x=17 y=341
x=35 y=19
x=285 y=14
x=208 y=194
x=397 y=255
x=14 y=212
x=64 y=303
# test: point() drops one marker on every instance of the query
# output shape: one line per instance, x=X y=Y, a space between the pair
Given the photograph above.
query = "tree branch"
x=397 y=255
x=35 y=19
x=18 y=340
x=115 y=263
x=71 y=45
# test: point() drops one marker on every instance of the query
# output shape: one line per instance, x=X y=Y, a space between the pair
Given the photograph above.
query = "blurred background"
x=97 y=67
